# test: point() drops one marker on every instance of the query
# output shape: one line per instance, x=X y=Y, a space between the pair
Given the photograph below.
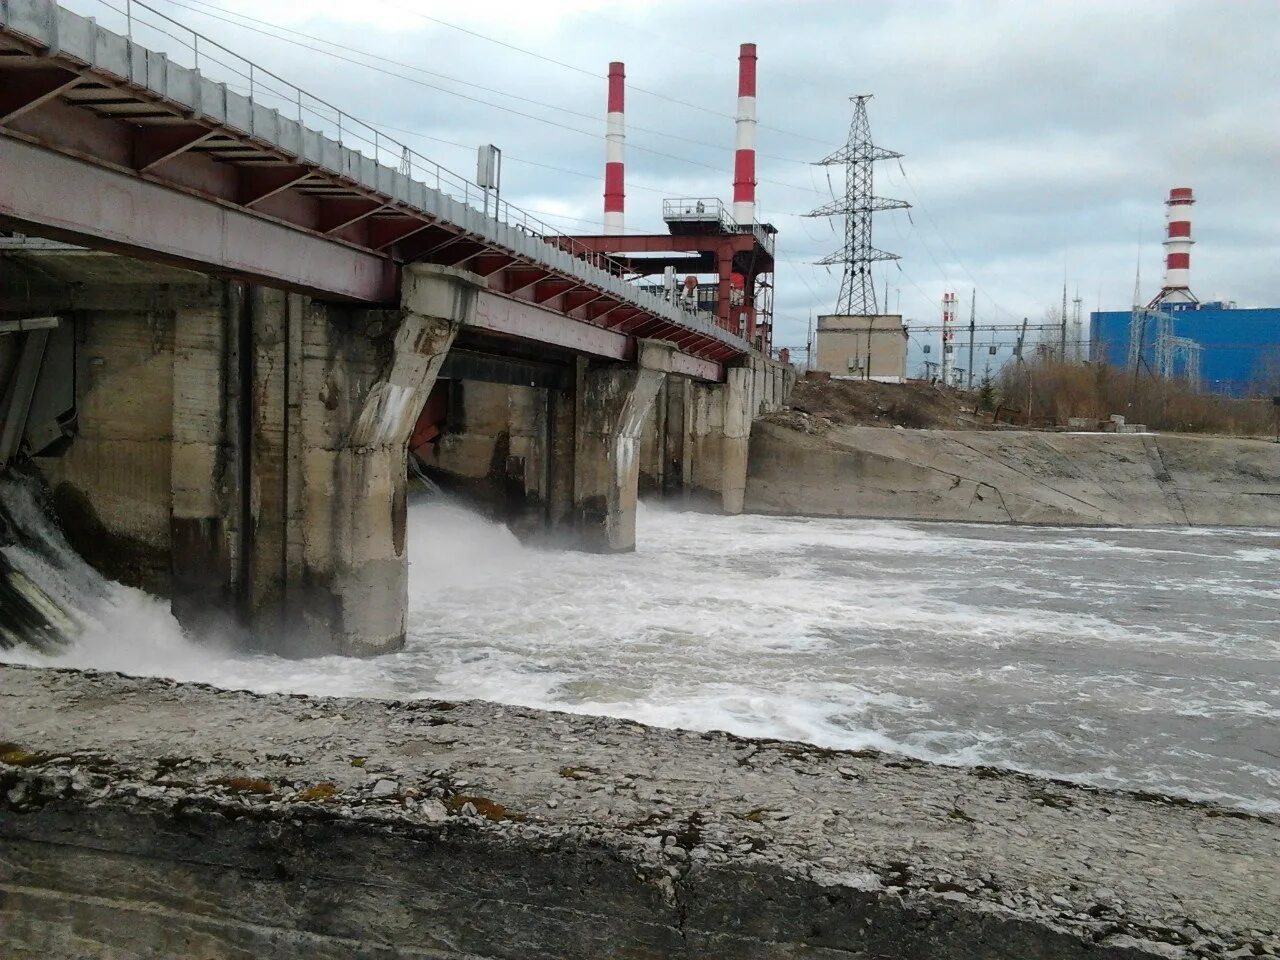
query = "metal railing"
x=698 y=210
x=144 y=24
x=712 y=210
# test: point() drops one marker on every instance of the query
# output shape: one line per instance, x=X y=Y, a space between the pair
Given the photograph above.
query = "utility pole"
x=973 y=328
x=1077 y=327
x=1062 y=349
x=858 y=156
x=1022 y=340
x=808 y=352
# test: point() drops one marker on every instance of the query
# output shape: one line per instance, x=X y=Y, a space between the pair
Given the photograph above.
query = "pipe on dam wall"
x=148 y=818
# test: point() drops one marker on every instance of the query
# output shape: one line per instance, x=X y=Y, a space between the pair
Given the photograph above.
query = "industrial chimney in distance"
x=615 y=136
x=744 y=159
x=1177 y=249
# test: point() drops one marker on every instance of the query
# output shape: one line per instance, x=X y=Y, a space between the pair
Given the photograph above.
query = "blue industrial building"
x=1239 y=349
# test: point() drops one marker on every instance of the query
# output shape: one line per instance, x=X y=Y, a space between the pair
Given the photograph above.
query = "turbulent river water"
x=1144 y=659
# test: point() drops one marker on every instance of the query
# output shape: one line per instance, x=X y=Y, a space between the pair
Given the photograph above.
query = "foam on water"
x=1143 y=659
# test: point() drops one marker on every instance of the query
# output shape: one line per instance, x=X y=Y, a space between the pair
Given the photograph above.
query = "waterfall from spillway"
x=52 y=601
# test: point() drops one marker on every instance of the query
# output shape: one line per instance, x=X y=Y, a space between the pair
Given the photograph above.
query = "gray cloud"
x=1039 y=138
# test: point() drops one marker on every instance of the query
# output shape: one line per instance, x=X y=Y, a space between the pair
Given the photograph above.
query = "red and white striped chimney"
x=615 y=138
x=744 y=160
x=1177 y=248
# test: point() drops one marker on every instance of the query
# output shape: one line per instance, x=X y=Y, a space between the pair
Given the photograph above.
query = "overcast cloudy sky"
x=1040 y=139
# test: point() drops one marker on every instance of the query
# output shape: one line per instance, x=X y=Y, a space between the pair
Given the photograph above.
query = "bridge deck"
x=113 y=145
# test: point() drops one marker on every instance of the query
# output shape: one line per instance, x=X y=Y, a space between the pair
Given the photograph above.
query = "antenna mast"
x=858 y=156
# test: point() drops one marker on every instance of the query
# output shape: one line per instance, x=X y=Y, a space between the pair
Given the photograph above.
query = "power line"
x=941 y=236
x=591 y=73
x=488 y=103
x=287 y=34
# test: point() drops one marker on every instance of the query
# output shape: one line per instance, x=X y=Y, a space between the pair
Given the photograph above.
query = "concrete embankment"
x=145 y=818
x=1012 y=477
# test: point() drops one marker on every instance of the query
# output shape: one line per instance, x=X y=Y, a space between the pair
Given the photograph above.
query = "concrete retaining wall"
x=151 y=819
x=1014 y=477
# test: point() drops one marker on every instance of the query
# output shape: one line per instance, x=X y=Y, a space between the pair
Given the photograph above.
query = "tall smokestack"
x=1177 y=248
x=744 y=160
x=615 y=136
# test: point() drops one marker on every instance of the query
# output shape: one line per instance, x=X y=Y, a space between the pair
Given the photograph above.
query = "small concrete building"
x=864 y=347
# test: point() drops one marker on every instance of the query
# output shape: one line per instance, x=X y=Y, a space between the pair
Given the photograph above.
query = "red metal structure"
x=110 y=145
x=702 y=238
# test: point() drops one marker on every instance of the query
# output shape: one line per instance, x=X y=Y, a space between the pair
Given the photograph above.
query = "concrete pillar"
x=206 y=462
x=735 y=438
x=611 y=406
x=717 y=420
x=561 y=447
x=718 y=425
x=365 y=376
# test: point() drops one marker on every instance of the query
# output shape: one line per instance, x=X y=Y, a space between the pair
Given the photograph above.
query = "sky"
x=1039 y=139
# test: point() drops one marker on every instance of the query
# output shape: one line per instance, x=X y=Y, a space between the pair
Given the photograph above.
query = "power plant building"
x=1215 y=346
x=1239 y=350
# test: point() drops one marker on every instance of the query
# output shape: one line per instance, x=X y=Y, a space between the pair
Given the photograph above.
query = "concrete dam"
x=232 y=341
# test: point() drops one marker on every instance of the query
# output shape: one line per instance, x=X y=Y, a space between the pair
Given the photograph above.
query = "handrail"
x=350 y=129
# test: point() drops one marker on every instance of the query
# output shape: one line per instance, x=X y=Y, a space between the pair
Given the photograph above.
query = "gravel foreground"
x=152 y=818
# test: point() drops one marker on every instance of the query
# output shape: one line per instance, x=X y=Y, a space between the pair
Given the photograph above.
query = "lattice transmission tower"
x=859 y=155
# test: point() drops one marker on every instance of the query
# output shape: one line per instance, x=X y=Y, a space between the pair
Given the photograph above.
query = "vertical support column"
x=365 y=378
x=736 y=438
x=561 y=448
x=204 y=522
x=268 y=577
x=653 y=459
x=724 y=308
x=612 y=403
x=718 y=430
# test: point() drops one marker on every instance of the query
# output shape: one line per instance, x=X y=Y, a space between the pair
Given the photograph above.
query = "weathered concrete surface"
x=1013 y=477
x=364 y=380
x=144 y=818
x=499 y=452
x=612 y=403
x=694 y=444
x=241 y=450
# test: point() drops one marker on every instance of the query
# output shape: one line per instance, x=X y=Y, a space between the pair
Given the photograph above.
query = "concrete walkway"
x=143 y=818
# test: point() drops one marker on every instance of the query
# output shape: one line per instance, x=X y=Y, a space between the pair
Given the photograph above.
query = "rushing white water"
x=1143 y=659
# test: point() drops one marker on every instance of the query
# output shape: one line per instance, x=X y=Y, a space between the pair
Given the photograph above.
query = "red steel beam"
x=49 y=194
x=28 y=88
x=662 y=243
x=154 y=145
x=261 y=183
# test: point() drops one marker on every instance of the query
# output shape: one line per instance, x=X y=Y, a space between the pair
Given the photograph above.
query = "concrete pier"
x=146 y=818
x=613 y=403
x=697 y=438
